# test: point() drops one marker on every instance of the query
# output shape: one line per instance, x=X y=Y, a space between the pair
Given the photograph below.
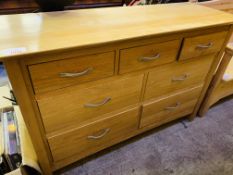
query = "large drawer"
x=202 y=45
x=63 y=73
x=75 y=106
x=150 y=55
x=177 y=76
x=95 y=136
x=169 y=108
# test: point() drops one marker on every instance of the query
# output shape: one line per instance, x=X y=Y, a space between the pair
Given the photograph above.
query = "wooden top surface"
x=41 y=32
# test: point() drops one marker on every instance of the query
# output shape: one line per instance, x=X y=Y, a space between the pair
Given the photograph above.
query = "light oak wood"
x=214 y=94
x=228 y=75
x=168 y=108
x=27 y=106
x=50 y=32
x=147 y=56
x=210 y=75
x=38 y=58
x=222 y=82
x=74 y=37
x=224 y=89
x=229 y=48
x=177 y=76
x=94 y=136
x=202 y=45
x=224 y=5
x=64 y=162
x=49 y=76
x=65 y=109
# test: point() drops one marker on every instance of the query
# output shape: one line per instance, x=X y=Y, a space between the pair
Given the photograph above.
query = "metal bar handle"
x=146 y=59
x=173 y=107
x=181 y=78
x=94 y=105
x=76 y=74
x=105 y=131
x=204 y=46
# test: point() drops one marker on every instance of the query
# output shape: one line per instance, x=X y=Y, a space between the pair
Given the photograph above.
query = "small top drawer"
x=141 y=57
x=63 y=73
x=202 y=45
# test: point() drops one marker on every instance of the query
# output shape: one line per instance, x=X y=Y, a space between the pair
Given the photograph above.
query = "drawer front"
x=63 y=73
x=177 y=76
x=169 y=108
x=77 y=106
x=95 y=136
x=141 y=57
x=202 y=45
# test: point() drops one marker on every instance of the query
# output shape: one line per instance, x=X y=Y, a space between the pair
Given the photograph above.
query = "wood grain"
x=229 y=69
x=31 y=118
x=220 y=87
x=213 y=94
x=160 y=53
x=65 y=109
x=70 y=37
x=224 y=5
x=210 y=74
x=223 y=90
x=45 y=32
x=46 y=76
x=162 y=80
x=171 y=107
x=77 y=142
x=190 y=47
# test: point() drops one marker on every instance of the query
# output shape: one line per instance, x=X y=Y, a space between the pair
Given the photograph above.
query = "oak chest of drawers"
x=88 y=79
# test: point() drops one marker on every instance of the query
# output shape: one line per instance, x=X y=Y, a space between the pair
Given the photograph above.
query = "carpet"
x=205 y=147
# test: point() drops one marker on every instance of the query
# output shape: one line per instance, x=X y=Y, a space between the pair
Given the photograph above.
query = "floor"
x=205 y=147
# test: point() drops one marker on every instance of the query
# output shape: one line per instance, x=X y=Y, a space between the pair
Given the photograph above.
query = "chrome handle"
x=181 y=78
x=173 y=107
x=204 y=46
x=76 y=74
x=105 y=131
x=146 y=59
x=94 y=105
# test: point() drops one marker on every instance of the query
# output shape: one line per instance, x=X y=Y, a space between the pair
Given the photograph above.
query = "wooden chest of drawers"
x=97 y=80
